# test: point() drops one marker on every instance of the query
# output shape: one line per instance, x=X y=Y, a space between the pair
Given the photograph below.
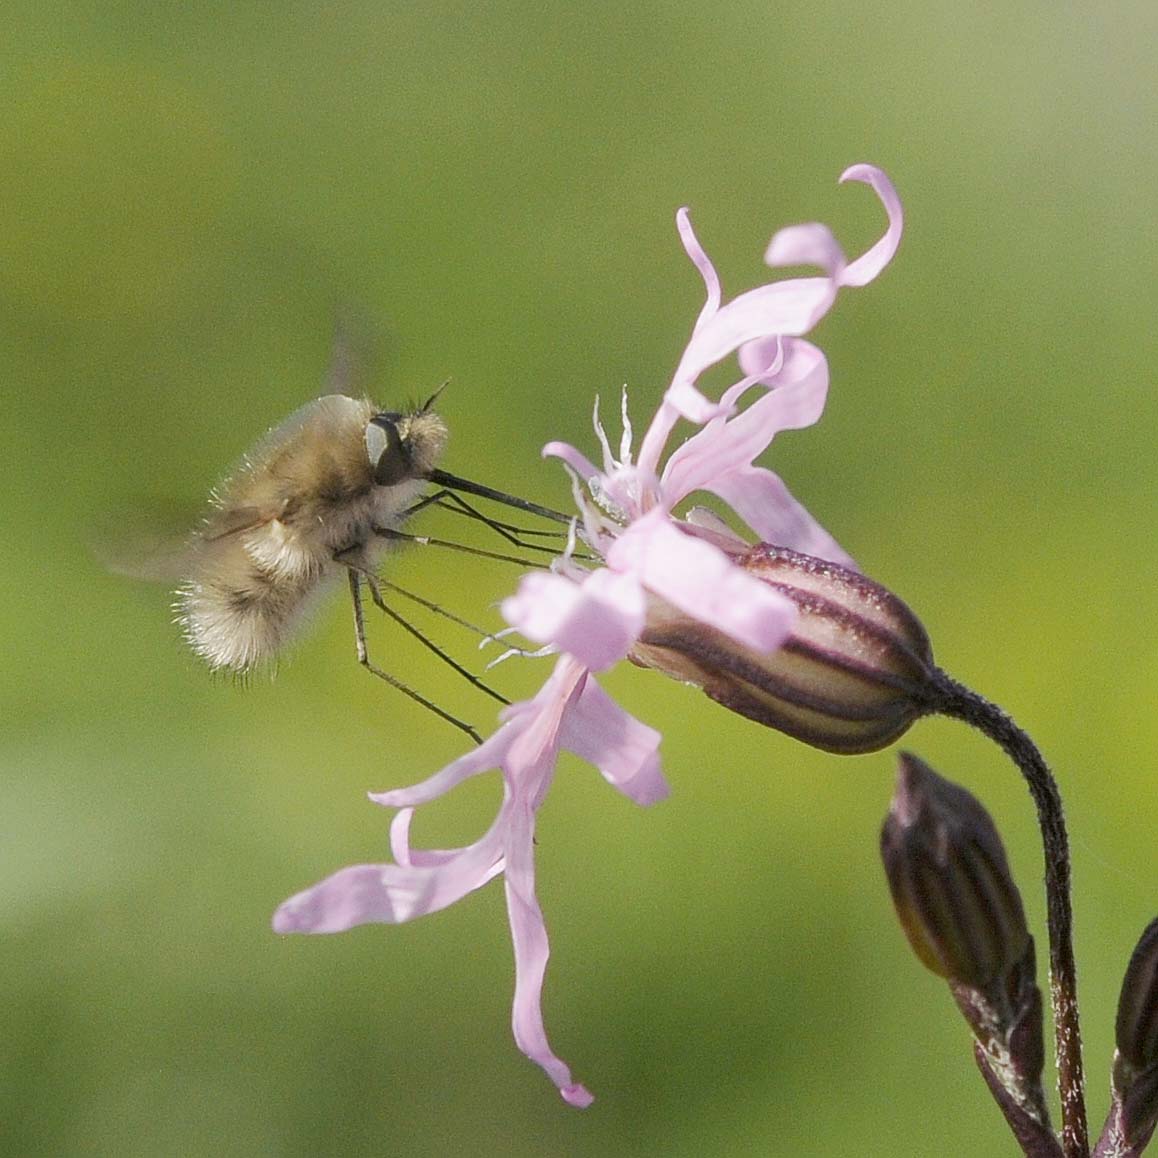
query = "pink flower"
x=593 y=616
x=596 y=615
x=571 y=712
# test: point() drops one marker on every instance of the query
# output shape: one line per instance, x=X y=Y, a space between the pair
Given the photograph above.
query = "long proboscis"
x=454 y=483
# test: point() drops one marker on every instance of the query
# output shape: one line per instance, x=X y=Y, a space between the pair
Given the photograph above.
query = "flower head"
x=571 y=712
x=593 y=616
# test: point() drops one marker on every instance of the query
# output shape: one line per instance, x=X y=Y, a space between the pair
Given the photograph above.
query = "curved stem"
x=960 y=702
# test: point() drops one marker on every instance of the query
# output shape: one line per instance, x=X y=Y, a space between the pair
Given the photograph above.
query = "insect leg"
x=355 y=577
x=426 y=541
x=438 y=609
x=470 y=677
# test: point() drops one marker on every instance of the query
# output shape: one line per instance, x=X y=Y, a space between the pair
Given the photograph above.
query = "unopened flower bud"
x=1136 y=1031
x=950 y=881
x=855 y=673
x=964 y=919
x=1134 y=1081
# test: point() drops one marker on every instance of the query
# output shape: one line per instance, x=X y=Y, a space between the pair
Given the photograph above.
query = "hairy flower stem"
x=960 y=702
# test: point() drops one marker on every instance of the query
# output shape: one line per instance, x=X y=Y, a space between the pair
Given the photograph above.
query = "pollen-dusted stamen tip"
x=950 y=881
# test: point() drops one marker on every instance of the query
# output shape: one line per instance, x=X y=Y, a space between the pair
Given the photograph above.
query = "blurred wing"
x=222 y=524
x=352 y=355
x=148 y=548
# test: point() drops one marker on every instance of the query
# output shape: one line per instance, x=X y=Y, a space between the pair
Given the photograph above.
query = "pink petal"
x=596 y=621
x=686 y=401
x=529 y=935
x=391 y=893
x=577 y=461
x=762 y=500
x=407 y=857
x=789 y=307
x=624 y=750
x=724 y=445
x=700 y=580
x=762 y=359
x=486 y=756
x=869 y=264
x=400 y=836
x=701 y=261
x=810 y=244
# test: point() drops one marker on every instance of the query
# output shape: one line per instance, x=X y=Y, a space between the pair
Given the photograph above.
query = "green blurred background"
x=191 y=194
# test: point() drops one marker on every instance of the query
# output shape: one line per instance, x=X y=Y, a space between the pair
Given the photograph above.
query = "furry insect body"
x=308 y=503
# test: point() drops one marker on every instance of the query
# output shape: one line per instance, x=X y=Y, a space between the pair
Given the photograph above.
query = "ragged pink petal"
x=796 y=400
x=762 y=360
x=575 y=459
x=391 y=893
x=488 y=755
x=700 y=580
x=789 y=307
x=624 y=750
x=529 y=936
x=596 y=621
x=762 y=500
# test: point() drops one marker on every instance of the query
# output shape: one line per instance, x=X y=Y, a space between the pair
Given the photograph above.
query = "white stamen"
x=601 y=434
x=625 y=440
x=538 y=653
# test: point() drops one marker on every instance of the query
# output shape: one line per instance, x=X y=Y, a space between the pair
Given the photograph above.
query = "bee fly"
x=324 y=494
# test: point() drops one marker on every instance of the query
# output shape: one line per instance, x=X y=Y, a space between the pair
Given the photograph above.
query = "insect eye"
x=389 y=454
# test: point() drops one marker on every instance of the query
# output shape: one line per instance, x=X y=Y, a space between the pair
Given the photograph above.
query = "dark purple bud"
x=855 y=673
x=950 y=880
x=1136 y=1031
x=1134 y=1076
x=961 y=911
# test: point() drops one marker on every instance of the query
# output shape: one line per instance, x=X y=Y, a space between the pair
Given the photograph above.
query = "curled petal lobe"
x=701 y=581
x=762 y=360
x=781 y=362
x=703 y=263
x=400 y=836
x=869 y=264
x=683 y=400
x=797 y=400
x=790 y=308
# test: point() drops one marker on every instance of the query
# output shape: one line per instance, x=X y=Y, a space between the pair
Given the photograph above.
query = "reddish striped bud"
x=855 y=673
